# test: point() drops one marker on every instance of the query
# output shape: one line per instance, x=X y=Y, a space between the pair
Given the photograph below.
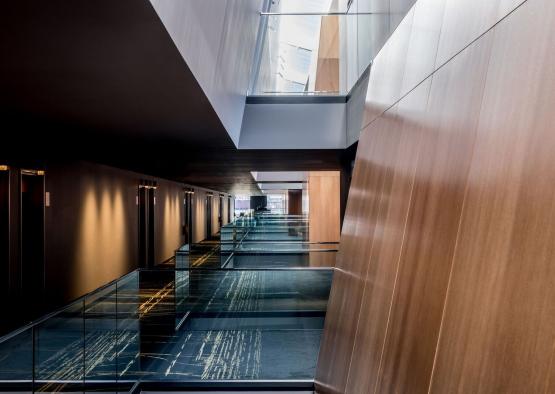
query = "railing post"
x=117 y=337
x=33 y=372
x=84 y=343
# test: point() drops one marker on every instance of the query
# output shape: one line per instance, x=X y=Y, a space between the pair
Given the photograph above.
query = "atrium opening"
x=277 y=196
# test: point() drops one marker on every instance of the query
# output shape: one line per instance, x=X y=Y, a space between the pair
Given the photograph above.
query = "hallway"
x=305 y=196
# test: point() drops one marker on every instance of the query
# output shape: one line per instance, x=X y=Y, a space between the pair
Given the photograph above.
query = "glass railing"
x=320 y=47
x=287 y=254
x=175 y=327
x=267 y=227
x=263 y=241
x=310 y=6
x=200 y=255
x=257 y=254
x=93 y=342
x=313 y=55
x=280 y=247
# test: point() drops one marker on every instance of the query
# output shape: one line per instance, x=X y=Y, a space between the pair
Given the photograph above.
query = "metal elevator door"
x=146 y=203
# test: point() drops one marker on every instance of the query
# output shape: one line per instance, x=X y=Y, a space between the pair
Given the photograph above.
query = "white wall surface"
x=294 y=126
x=217 y=39
x=280 y=176
x=280 y=186
x=355 y=110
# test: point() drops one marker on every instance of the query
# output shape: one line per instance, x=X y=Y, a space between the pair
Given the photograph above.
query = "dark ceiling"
x=102 y=80
x=229 y=169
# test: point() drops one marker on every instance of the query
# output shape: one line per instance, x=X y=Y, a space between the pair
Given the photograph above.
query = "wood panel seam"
x=461 y=215
x=448 y=287
x=392 y=298
x=442 y=65
x=548 y=380
x=367 y=269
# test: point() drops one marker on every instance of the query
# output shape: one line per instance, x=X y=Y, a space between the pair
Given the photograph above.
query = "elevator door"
x=4 y=231
x=208 y=217
x=32 y=237
x=188 y=219
x=221 y=212
x=146 y=226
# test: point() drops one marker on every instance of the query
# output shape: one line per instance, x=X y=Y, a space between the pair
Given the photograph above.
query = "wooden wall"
x=199 y=211
x=324 y=206
x=215 y=213
x=295 y=202
x=327 y=65
x=169 y=217
x=4 y=231
x=446 y=280
x=225 y=211
x=91 y=232
x=91 y=228
x=232 y=209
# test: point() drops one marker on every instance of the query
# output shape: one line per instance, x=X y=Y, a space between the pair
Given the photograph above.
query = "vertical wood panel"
x=550 y=381
x=446 y=278
x=322 y=259
x=168 y=219
x=507 y=6
x=463 y=22
x=499 y=323
x=384 y=261
x=4 y=232
x=327 y=65
x=388 y=69
x=348 y=282
x=435 y=31
x=199 y=215
x=437 y=199
x=215 y=212
x=324 y=205
x=295 y=202
x=225 y=211
x=423 y=43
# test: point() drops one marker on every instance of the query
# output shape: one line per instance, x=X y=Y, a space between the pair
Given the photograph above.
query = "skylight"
x=309 y=47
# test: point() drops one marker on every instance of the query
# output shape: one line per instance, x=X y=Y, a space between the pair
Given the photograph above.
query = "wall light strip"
x=32 y=172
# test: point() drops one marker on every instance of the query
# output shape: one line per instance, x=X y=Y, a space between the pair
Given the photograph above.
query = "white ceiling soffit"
x=280 y=176
x=294 y=126
x=280 y=186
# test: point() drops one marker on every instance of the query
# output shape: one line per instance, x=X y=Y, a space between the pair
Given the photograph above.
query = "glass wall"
x=277 y=203
x=318 y=47
x=242 y=205
x=172 y=327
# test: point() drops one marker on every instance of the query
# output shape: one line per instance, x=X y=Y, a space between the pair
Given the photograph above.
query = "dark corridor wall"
x=91 y=228
x=91 y=233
